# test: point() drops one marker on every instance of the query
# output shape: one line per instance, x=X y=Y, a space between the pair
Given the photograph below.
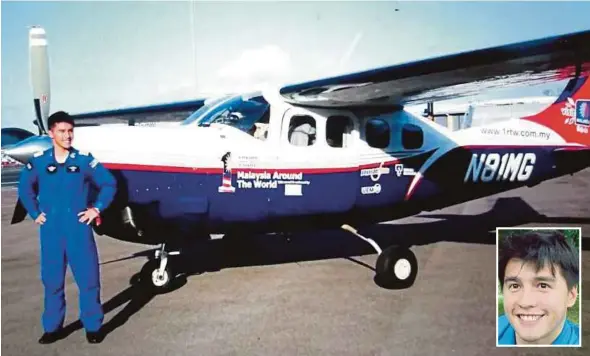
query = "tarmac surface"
x=10 y=175
x=310 y=294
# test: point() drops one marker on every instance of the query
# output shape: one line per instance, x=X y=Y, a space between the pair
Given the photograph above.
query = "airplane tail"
x=569 y=115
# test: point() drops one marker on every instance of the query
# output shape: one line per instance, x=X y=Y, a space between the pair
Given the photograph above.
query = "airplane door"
x=317 y=166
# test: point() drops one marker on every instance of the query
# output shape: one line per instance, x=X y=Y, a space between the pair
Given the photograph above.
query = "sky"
x=115 y=54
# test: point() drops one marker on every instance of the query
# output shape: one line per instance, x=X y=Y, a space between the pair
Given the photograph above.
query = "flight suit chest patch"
x=51 y=169
x=73 y=169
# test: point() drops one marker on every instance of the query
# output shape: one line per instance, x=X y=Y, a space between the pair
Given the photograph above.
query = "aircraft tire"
x=396 y=268
x=150 y=279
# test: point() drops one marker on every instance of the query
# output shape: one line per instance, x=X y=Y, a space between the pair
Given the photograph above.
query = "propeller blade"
x=39 y=66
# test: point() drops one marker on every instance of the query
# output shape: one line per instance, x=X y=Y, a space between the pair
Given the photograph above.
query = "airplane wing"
x=452 y=76
x=170 y=112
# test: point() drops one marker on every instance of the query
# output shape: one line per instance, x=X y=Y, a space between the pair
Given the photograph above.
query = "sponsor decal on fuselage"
x=268 y=180
x=401 y=170
x=375 y=173
x=374 y=189
x=226 y=177
x=577 y=113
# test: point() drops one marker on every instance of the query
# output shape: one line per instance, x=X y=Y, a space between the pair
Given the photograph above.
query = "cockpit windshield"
x=240 y=111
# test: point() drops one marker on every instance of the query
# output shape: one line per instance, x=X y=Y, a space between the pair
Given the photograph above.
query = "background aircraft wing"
x=170 y=112
x=451 y=76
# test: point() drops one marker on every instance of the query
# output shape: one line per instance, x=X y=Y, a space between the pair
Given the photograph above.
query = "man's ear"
x=572 y=295
x=50 y=133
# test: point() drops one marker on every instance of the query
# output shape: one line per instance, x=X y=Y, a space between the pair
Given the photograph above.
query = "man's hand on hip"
x=41 y=219
x=88 y=215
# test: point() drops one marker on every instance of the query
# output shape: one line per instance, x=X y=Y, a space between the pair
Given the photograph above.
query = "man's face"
x=536 y=303
x=62 y=134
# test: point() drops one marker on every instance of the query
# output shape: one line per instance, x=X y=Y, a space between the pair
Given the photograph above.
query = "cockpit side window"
x=249 y=114
x=377 y=133
x=338 y=131
x=302 y=130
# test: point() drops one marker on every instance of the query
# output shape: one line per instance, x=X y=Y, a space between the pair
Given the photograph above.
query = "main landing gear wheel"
x=156 y=274
x=396 y=267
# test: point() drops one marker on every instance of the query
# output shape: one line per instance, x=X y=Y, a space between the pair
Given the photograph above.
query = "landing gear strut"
x=396 y=266
x=157 y=274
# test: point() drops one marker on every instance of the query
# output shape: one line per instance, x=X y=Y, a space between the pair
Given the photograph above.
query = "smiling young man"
x=55 y=189
x=539 y=276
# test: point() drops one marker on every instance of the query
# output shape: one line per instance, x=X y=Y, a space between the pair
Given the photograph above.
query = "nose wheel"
x=157 y=274
x=160 y=278
x=396 y=267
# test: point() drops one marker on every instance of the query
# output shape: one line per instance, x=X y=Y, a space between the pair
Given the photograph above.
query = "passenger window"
x=377 y=133
x=302 y=131
x=412 y=137
x=338 y=131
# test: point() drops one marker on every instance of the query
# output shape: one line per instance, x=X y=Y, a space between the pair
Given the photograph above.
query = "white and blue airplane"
x=340 y=152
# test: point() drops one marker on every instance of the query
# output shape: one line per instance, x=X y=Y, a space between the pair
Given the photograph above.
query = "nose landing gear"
x=157 y=274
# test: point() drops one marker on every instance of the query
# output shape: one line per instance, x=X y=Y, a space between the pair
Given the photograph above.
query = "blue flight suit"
x=62 y=193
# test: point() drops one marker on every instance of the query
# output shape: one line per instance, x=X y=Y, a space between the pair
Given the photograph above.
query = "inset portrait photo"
x=538 y=287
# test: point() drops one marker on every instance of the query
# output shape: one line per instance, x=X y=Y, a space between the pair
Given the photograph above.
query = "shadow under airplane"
x=240 y=251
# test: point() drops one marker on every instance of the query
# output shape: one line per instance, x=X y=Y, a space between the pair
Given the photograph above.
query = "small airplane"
x=341 y=152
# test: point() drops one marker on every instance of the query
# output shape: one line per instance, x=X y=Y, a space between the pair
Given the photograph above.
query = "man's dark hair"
x=57 y=117
x=540 y=247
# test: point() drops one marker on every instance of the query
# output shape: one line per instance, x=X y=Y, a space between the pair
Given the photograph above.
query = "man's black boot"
x=94 y=337
x=50 y=337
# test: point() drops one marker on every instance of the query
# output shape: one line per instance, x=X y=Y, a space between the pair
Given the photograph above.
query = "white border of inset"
x=579 y=279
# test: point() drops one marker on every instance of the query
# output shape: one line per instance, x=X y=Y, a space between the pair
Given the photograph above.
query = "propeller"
x=39 y=73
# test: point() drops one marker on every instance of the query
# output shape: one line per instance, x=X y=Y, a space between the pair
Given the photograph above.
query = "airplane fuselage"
x=219 y=179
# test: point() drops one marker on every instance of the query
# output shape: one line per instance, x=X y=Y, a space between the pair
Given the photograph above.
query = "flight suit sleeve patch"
x=93 y=163
x=29 y=166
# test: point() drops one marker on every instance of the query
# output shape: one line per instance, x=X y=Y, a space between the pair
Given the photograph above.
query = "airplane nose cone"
x=24 y=150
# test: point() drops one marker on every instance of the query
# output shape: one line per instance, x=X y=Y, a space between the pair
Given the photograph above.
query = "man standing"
x=539 y=278
x=61 y=206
